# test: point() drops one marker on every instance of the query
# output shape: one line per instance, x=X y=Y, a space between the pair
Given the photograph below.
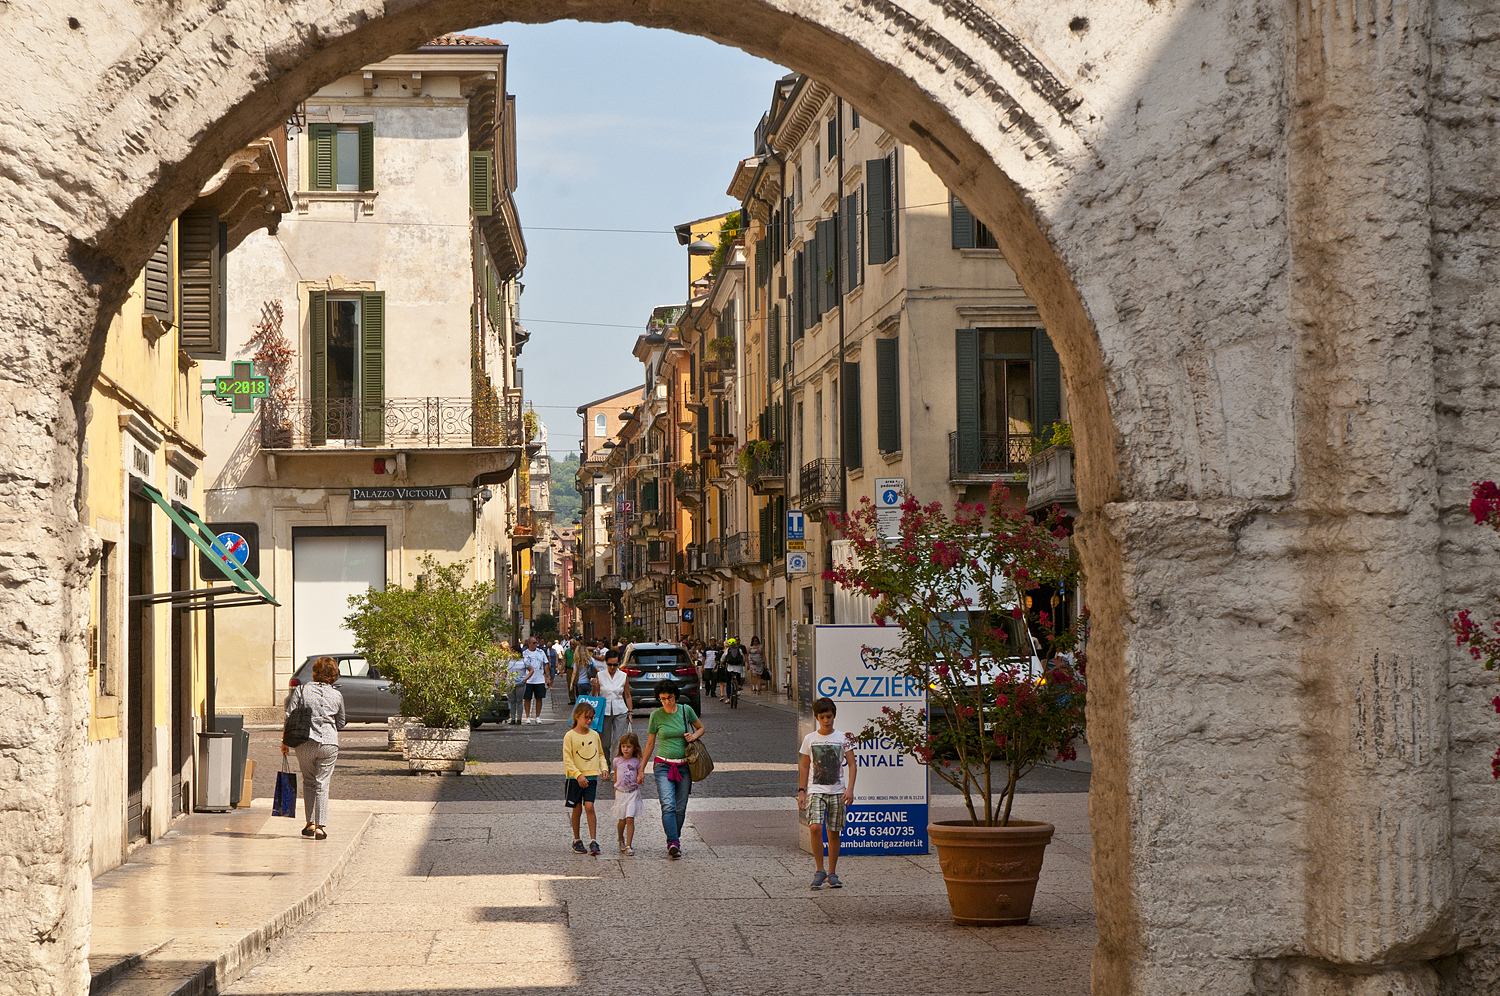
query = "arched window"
x=601 y=424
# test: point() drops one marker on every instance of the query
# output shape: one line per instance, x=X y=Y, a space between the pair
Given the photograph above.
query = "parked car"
x=368 y=697
x=648 y=663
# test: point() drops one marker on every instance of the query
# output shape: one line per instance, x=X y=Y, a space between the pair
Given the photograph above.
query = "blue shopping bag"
x=597 y=701
x=284 y=802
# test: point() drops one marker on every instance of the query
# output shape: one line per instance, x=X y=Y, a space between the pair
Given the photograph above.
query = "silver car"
x=368 y=697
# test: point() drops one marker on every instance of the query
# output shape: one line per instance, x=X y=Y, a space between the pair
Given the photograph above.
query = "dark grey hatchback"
x=648 y=663
x=369 y=698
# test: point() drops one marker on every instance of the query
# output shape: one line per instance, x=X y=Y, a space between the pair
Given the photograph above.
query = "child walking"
x=628 y=803
x=583 y=760
x=821 y=789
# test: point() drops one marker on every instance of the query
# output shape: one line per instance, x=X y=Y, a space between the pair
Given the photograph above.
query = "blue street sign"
x=796 y=525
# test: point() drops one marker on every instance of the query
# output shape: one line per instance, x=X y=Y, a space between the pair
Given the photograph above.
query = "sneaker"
x=674 y=850
x=819 y=879
x=578 y=847
x=594 y=848
x=833 y=882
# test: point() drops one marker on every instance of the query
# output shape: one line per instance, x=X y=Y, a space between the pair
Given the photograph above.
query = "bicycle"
x=734 y=690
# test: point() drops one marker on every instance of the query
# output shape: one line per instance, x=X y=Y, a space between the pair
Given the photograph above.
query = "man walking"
x=536 y=682
x=517 y=687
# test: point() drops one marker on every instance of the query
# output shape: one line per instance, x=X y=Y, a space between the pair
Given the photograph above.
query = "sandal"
x=320 y=835
x=308 y=831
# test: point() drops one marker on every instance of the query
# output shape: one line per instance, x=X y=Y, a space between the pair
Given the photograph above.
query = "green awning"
x=201 y=535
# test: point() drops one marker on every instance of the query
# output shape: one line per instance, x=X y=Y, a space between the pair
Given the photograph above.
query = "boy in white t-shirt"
x=827 y=755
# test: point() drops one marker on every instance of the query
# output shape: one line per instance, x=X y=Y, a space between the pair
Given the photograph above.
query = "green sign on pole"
x=240 y=389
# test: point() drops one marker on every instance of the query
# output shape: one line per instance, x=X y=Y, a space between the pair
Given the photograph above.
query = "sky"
x=617 y=127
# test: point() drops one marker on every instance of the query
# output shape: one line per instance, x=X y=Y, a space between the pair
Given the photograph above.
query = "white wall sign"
x=796 y=562
x=889 y=814
x=669 y=602
x=890 y=492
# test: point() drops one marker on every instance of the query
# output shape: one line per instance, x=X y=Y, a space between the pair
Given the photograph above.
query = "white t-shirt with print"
x=536 y=667
x=826 y=772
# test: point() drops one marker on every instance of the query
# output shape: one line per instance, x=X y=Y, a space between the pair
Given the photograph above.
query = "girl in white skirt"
x=627 y=778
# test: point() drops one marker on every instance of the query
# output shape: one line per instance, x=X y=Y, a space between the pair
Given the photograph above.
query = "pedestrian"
x=734 y=668
x=583 y=760
x=316 y=755
x=758 y=672
x=568 y=670
x=614 y=686
x=583 y=673
x=536 y=682
x=628 y=804
x=675 y=726
x=823 y=791
x=517 y=688
x=711 y=669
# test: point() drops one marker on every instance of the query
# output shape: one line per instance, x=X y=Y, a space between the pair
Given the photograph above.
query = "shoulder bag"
x=298 y=728
x=700 y=764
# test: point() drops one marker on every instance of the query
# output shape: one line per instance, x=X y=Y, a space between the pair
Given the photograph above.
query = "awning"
x=247 y=590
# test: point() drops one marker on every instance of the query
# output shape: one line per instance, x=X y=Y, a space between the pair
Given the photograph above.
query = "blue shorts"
x=577 y=793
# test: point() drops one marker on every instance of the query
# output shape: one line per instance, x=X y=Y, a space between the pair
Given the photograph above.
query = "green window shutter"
x=773 y=343
x=762 y=268
x=799 y=296
x=892 y=207
x=492 y=297
x=765 y=534
x=482 y=183
x=963 y=223
x=649 y=496
x=200 y=284
x=317 y=327
x=841 y=264
x=1048 y=380
x=854 y=434
x=849 y=250
x=966 y=358
x=158 y=282
x=372 y=368
x=320 y=140
x=888 y=393
x=827 y=263
x=877 y=210
x=367 y=156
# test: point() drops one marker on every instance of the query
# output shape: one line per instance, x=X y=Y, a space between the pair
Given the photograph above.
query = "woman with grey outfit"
x=317 y=754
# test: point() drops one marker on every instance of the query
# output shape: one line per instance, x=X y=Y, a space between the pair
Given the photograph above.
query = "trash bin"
x=215 y=757
x=234 y=724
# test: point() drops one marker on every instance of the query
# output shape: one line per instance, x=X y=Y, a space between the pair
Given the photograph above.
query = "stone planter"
x=991 y=872
x=396 y=731
x=429 y=749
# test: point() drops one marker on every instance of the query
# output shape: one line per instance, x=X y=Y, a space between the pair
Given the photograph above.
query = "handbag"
x=298 y=728
x=700 y=764
x=597 y=701
x=284 y=802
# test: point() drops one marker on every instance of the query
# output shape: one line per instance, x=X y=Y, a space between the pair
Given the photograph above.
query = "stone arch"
x=1167 y=181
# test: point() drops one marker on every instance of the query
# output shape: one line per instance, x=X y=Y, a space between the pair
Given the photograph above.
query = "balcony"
x=687 y=482
x=987 y=456
x=523 y=533
x=767 y=470
x=744 y=556
x=544 y=581
x=395 y=423
x=820 y=487
x=1049 y=479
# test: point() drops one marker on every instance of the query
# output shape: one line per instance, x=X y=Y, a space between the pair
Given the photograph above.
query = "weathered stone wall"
x=1259 y=234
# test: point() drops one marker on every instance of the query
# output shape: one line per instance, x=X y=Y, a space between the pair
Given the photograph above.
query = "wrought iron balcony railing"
x=394 y=422
x=544 y=580
x=821 y=484
x=767 y=469
x=987 y=454
x=742 y=549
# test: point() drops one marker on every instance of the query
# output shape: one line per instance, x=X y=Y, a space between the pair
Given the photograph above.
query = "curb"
x=241 y=955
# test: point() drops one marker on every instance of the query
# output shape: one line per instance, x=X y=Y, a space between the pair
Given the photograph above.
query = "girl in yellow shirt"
x=583 y=760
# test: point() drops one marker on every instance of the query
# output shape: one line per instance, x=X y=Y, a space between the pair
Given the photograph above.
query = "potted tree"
x=957 y=586
x=435 y=640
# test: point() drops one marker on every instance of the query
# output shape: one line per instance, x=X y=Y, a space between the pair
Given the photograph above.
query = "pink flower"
x=1486 y=504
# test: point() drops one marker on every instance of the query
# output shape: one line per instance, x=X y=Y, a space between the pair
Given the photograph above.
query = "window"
x=968 y=231
x=601 y=425
x=853 y=418
x=853 y=119
x=818 y=157
x=850 y=260
x=797 y=184
x=818 y=424
x=482 y=183
x=341 y=157
x=102 y=622
x=833 y=418
x=833 y=139
x=1009 y=387
x=347 y=366
x=201 y=287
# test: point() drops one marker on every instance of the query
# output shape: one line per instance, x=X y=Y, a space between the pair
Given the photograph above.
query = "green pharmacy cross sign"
x=239 y=389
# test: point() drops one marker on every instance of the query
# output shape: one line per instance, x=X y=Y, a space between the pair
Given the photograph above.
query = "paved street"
x=465 y=885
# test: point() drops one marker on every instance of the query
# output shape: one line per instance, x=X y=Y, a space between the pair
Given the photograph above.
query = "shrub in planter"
x=435 y=640
x=957 y=588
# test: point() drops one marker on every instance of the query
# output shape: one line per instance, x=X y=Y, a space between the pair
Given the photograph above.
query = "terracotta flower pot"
x=991 y=872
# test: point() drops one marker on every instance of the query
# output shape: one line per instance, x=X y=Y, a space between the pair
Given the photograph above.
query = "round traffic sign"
x=238 y=547
x=890 y=496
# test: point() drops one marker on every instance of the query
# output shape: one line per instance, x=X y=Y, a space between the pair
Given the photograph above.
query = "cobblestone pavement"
x=754 y=746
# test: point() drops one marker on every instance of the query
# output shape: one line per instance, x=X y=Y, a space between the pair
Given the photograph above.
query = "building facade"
x=144 y=459
x=383 y=314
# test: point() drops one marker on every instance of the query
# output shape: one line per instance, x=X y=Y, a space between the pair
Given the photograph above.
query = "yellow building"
x=142 y=452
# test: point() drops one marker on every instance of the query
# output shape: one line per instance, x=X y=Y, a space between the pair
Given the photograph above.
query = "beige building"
x=596 y=572
x=383 y=311
x=143 y=473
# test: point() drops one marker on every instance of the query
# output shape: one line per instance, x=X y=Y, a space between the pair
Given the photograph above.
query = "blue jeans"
x=674 y=797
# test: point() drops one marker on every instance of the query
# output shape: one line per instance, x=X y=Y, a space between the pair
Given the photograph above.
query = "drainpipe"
x=838 y=282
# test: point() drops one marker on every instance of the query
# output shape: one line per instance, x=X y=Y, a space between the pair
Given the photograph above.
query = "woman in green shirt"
x=671 y=728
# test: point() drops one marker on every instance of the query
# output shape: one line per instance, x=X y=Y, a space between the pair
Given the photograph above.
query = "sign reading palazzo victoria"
x=400 y=494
